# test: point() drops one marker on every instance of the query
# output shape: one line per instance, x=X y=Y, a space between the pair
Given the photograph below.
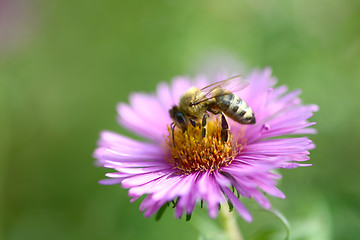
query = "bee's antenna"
x=172 y=125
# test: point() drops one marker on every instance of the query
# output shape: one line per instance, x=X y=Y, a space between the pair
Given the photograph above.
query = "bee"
x=195 y=104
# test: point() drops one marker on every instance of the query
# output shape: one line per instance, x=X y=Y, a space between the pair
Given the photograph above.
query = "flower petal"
x=240 y=208
x=210 y=191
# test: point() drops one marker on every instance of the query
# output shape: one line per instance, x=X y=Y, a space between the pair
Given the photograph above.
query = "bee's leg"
x=203 y=132
x=224 y=128
x=192 y=121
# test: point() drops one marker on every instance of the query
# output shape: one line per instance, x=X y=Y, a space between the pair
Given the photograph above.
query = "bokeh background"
x=65 y=64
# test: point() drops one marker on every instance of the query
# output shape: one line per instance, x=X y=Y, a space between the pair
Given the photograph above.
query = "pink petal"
x=165 y=97
x=240 y=208
x=210 y=191
x=111 y=181
x=140 y=179
x=179 y=86
x=132 y=121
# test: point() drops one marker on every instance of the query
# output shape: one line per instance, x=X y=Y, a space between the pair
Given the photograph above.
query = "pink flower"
x=207 y=170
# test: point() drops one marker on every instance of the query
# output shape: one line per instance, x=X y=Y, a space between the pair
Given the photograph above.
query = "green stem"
x=283 y=220
x=229 y=222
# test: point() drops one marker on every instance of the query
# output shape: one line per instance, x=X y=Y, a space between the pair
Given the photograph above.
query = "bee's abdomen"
x=236 y=109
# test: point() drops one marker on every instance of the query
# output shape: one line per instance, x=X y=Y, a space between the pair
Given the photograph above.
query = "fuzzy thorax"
x=190 y=152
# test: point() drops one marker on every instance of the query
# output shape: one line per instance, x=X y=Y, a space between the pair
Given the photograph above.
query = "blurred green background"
x=65 y=64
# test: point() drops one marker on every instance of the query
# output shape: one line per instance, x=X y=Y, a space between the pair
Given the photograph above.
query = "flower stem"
x=283 y=219
x=228 y=220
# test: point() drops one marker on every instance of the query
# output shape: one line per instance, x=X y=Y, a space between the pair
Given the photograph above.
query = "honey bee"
x=195 y=104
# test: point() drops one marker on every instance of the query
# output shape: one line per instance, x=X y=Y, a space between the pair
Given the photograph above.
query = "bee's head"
x=179 y=118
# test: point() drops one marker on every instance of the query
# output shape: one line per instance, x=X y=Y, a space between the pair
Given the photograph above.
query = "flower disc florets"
x=190 y=152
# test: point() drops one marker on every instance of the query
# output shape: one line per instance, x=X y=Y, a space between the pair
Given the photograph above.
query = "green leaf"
x=161 y=211
x=231 y=207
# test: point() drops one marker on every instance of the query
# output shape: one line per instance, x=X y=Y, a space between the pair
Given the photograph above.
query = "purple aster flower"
x=186 y=168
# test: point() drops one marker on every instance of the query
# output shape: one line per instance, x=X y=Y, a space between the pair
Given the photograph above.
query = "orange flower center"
x=190 y=152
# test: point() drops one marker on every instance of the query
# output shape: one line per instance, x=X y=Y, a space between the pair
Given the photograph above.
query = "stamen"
x=190 y=152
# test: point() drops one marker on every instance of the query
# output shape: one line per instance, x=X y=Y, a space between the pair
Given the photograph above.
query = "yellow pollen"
x=191 y=152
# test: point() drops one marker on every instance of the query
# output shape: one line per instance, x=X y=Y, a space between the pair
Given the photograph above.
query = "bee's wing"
x=228 y=84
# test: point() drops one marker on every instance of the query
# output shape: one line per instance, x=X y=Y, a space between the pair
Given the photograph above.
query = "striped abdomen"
x=235 y=108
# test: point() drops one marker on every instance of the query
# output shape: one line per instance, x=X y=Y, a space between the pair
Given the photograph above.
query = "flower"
x=185 y=168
